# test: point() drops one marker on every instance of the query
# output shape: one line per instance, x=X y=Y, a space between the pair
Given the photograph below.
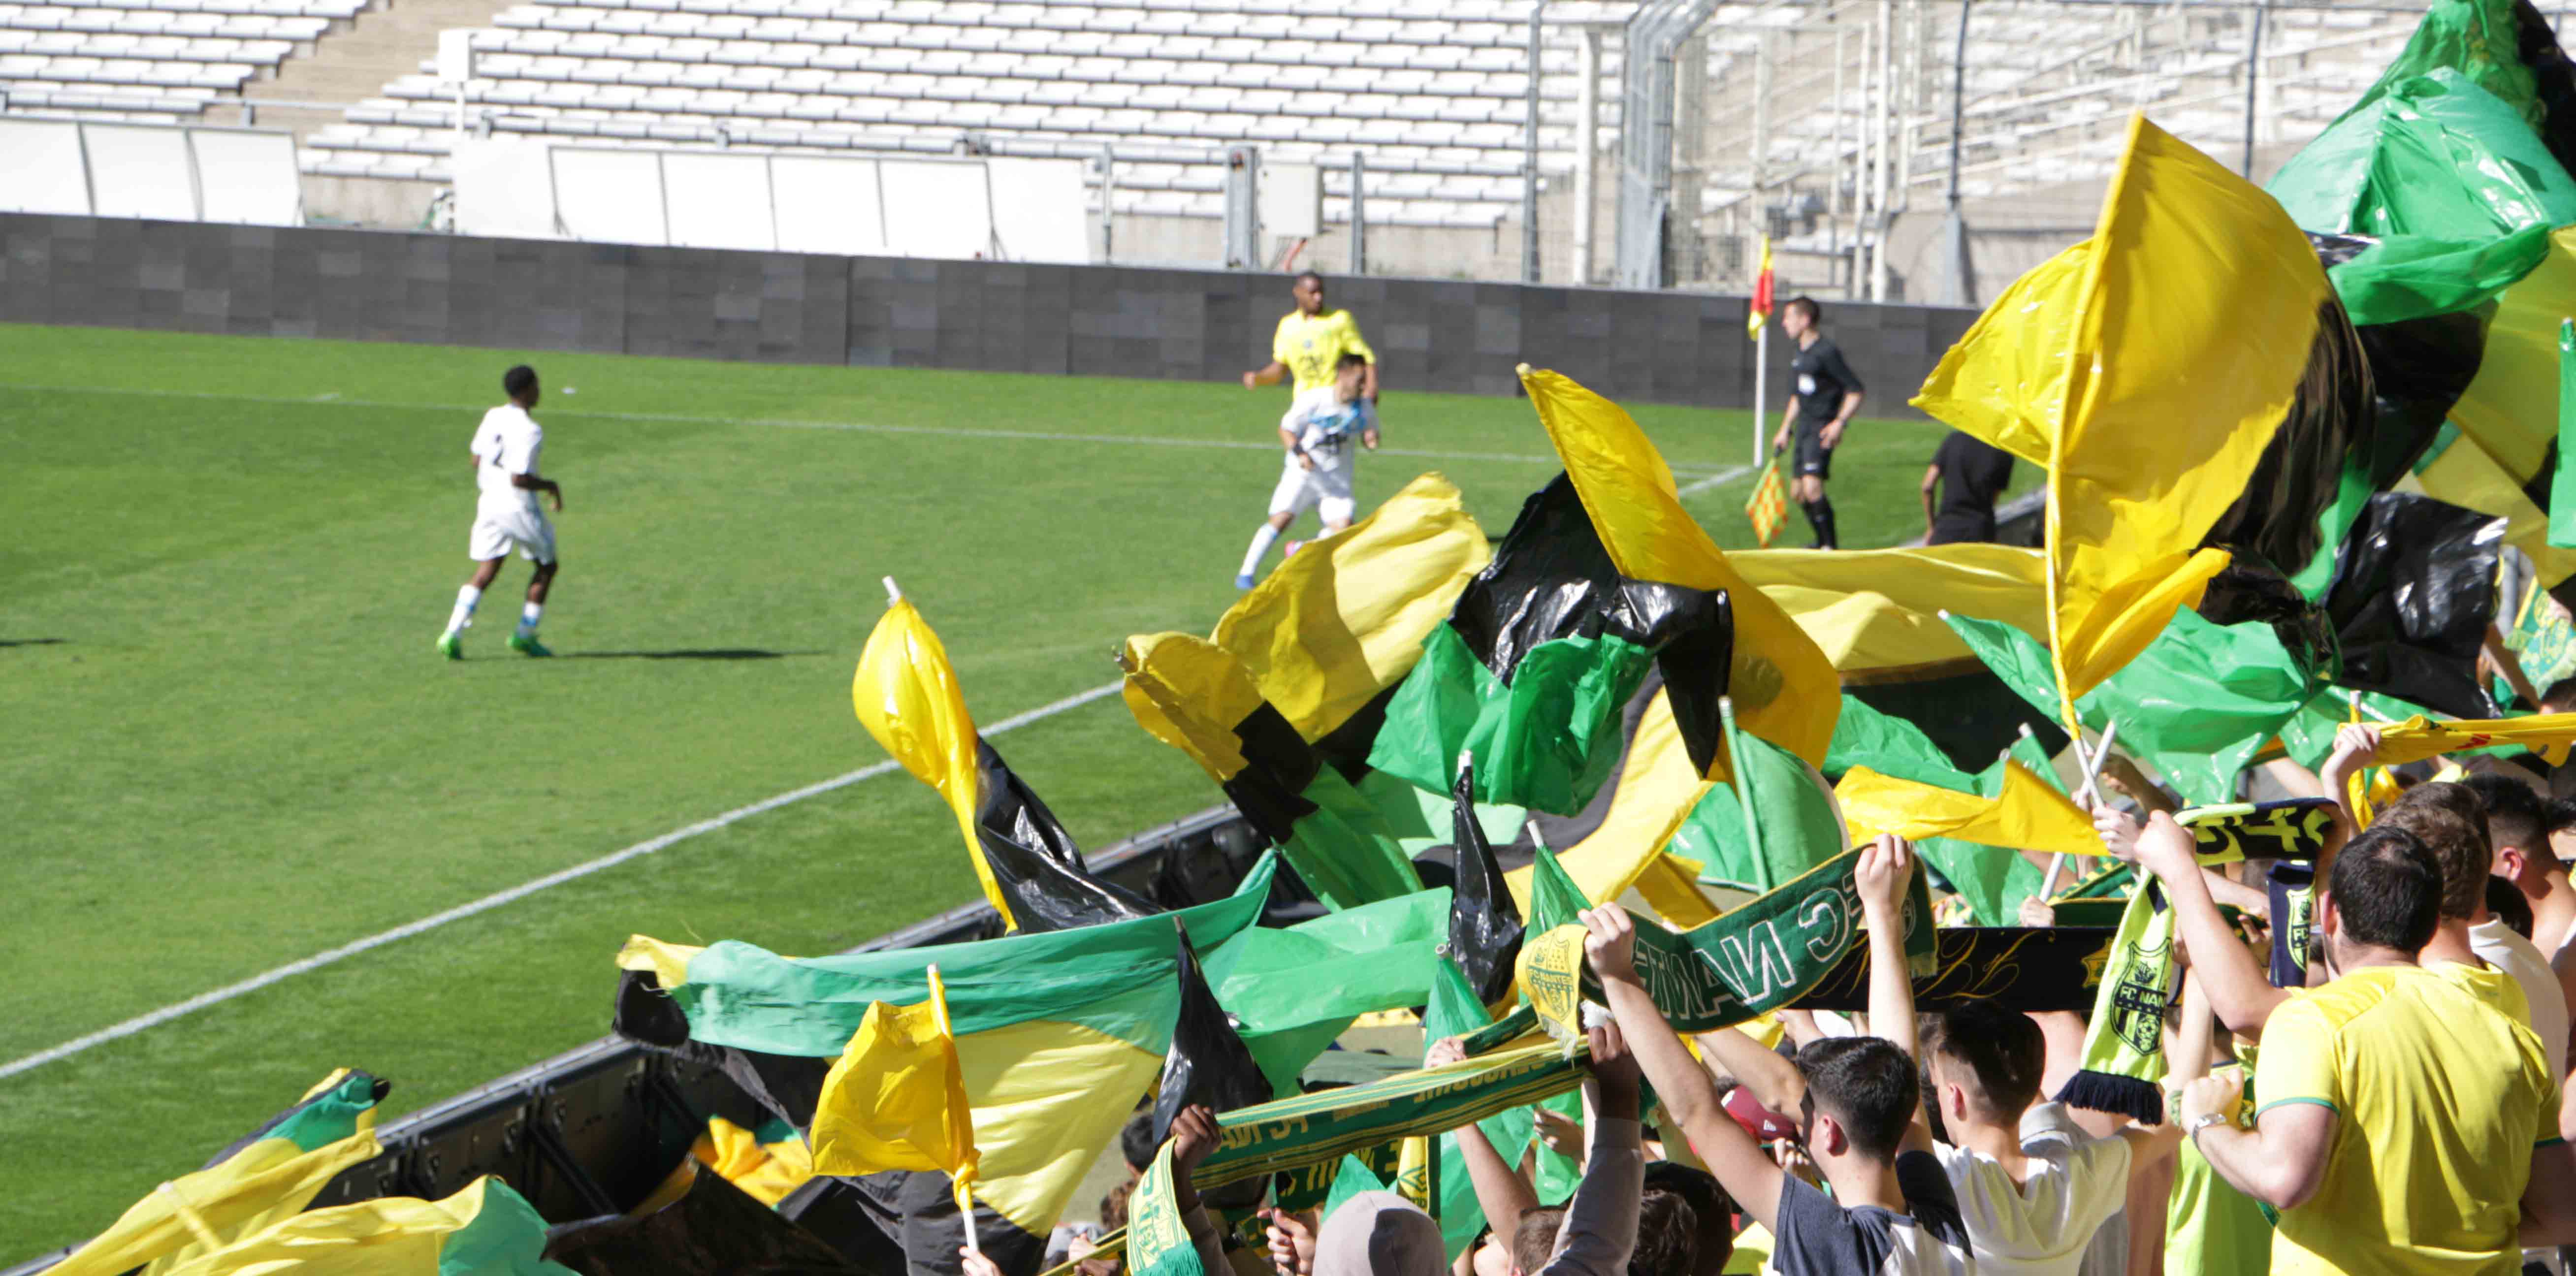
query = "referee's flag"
x=1759 y=312
x=1768 y=507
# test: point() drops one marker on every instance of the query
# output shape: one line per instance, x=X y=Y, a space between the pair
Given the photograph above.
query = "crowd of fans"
x=2402 y=1112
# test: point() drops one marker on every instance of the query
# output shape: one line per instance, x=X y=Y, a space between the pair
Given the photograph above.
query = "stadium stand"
x=1433 y=94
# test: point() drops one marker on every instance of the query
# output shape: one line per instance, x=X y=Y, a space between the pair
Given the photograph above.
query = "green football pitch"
x=232 y=747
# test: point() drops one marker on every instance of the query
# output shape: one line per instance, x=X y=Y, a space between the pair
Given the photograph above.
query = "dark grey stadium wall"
x=1190 y=325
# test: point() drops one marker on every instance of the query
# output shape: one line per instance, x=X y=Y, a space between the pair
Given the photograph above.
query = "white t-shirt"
x=2497 y=945
x=1330 y=433
x=2043 y=1225
x=508 y=441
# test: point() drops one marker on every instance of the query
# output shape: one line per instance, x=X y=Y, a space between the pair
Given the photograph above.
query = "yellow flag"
x=2028 y=815
x=896 y=1098
x=1670 y=885
x=907 y=696
x=1876 y=613
x=1785 y=691
x=2156 y=361
x=2417 y=738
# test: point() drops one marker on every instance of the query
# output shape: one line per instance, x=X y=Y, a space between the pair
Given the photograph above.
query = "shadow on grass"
x=694 y=653
x=32 y=642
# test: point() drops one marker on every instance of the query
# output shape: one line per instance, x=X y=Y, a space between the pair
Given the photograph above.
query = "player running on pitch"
x=1317 y=471
x=505 y=451
x=1312 y=343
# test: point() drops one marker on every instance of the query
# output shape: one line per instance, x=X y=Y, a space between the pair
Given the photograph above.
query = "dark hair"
x=1113 y=1206
x=2559 y=814
x=1711 y=1208
x=2515 y=816
x=2504 y=899
x=1667 y=1236
x=2562 y=691
x=1351 y=359
x=1534 y=1240
x=518 y=380
x=2001 y=1050
x=1304 y=275
x=1867 y=1084
x=2387 y=889
x=2458 y=845
x=1815 y=313
x=1136 y=1141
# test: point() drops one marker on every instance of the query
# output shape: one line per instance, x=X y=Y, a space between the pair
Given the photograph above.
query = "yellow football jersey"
x=2439 y=1097
x=1313 y=348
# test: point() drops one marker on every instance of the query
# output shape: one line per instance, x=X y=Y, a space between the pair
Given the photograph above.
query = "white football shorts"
x=497 y=528
x=1327 y=491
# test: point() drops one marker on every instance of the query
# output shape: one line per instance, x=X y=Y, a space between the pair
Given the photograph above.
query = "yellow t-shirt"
x=2441 y=1097
x=1312 y=348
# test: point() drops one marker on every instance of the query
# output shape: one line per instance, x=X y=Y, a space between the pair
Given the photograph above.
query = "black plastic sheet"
x=1034 y=859
x=1552 y=578
x=715 y=1229
x=1207 y=1064
x=1485 y=927
x=2413 y=594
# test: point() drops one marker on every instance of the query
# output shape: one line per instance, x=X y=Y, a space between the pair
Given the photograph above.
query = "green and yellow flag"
x=896 y=1099
x=258 y=1182
x=2148 y=369
x=484 y=1230
x=1045 y=1025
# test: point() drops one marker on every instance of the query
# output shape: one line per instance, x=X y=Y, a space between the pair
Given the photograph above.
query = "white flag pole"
x=1761 y=390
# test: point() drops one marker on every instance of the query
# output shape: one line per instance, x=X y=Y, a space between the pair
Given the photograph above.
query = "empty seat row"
x=231 y=26
x=157 y=48
x=121 y=71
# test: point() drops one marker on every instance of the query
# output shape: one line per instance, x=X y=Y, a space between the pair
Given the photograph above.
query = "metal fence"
x=1921 y=150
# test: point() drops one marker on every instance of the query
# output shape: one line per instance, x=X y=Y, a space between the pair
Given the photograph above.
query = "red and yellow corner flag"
x=1768 y=507
x=1759 y=313
x=896 y=1098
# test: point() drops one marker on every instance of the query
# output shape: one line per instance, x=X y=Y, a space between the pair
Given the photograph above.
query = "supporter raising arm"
x=2238 y=988
x=1892 y=1212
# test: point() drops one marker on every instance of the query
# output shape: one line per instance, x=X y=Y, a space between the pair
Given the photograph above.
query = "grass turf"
x=236 y=748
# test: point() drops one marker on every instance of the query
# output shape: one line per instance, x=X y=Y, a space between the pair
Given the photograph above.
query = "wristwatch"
x=2191 y=1129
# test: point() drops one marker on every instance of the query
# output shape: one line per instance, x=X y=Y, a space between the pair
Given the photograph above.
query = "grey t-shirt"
x=1818 y=1237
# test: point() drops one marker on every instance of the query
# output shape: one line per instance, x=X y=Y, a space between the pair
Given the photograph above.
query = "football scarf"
x=2124 y=1049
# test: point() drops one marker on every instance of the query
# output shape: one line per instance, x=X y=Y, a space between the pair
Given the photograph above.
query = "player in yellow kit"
x=1310 y=344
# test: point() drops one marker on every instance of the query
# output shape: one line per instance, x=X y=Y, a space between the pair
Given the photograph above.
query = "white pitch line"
x=1713 y=480
x=863 y=427
x=495 y=900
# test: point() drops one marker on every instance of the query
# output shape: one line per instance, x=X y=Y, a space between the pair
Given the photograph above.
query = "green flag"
x=1292 y=991
x=2197 y=703
x=1547 y=739
x=1792 y=825
x=1889 y=745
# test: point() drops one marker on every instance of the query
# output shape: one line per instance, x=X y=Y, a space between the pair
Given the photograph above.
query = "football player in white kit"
x=505 y=452
x=1321 y=437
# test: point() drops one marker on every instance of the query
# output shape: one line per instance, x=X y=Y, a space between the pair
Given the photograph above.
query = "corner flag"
x=1759 y=313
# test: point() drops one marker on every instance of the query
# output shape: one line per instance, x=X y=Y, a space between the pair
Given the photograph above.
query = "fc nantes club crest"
x=2138 y=1004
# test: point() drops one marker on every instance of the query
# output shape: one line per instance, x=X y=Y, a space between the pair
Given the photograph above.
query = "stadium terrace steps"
x=1434 y=91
